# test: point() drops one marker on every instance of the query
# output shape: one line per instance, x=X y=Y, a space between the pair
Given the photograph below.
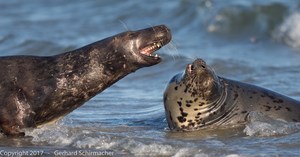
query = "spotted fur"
x=208 y=100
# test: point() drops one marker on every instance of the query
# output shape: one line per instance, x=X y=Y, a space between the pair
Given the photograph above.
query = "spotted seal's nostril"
x=190 y=68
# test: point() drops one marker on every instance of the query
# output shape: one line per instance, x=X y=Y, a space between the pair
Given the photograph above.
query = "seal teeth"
x=158 y=45
x=151 y=48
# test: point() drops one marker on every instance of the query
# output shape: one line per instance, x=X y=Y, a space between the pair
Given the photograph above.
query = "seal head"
x=201 y=81
x=192 y=99
x=141 y=44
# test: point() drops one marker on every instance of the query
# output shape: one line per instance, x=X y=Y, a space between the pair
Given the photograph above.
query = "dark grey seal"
x=37 y=90
x=199 y=99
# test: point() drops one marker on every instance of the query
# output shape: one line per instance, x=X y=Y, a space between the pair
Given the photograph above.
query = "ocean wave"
x=289 y=31
x=255 y=20
x=105 y=139
x=262 y=125
x=124 y=140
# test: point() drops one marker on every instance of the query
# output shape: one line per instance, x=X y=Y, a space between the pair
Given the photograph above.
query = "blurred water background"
x=247 y=40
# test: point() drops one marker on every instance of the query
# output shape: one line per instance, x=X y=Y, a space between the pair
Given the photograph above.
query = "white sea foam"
x=70 y=137
x=289 y=31
x=234 y=155
x=139 y=148
x=52 y=134
x=262 y=125
x=98 y=142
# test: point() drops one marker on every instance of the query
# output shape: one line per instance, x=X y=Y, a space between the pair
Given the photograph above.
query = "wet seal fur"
x=37 y=90
x=198 y=98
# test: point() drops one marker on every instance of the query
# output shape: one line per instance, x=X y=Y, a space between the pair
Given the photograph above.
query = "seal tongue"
x=148 y=50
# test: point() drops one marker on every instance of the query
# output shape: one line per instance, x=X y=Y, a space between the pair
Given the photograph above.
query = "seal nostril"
x=190 y=68
x=203 y=66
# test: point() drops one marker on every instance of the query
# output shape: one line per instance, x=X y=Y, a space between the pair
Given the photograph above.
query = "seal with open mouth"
x=199 y=98
x=37 y=90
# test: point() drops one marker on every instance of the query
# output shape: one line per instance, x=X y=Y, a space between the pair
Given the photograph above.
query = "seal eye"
x=131 y=34
x=203 y=66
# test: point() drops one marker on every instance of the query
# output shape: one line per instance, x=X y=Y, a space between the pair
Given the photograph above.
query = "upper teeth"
x=148 y=50
x=158 y=45
x=155 y=45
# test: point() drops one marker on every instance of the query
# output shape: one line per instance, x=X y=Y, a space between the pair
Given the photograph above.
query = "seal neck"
x=219 y=109
x=90 y=71
x=79 y=75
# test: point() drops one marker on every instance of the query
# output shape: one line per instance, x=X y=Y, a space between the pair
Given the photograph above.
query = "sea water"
x=252 y=41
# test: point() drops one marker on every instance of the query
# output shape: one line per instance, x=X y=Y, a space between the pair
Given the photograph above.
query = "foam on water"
x=262 y=125
x=95 y=138
x=289 y=31
x=61 y=135
x=120 y=140
x=52 y=134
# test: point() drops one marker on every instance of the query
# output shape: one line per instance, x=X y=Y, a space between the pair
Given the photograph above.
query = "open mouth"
x=151 y=40
x=150 y=49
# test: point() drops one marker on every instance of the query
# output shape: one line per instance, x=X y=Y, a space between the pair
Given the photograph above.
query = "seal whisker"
x=172 y=50
x=151 y=26
x=124 y=25
x=191 y=57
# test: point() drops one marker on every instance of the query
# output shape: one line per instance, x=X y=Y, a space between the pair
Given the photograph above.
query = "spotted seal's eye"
x=203 y=66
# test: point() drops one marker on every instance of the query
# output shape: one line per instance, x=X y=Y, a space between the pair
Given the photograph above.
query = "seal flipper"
x=16 y=113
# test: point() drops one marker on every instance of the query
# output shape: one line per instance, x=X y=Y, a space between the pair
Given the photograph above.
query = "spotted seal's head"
x=201 y=81
x=192 y=99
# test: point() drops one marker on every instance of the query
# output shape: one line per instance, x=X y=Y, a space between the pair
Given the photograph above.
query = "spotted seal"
x=198 y=98
x=36 y=90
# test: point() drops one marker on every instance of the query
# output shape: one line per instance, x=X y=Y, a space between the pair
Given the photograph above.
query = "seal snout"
x=159 y=36
x=152 y=39
x=197 y=65
x=163 y=34
x=190 y=68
